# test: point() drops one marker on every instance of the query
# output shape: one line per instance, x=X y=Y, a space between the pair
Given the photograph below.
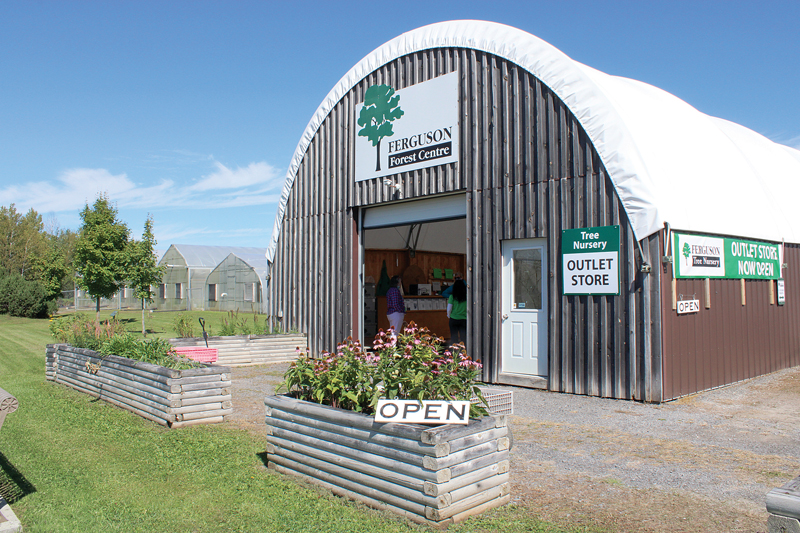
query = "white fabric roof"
x=257 y=261
x=201 y=256
x=668 y=162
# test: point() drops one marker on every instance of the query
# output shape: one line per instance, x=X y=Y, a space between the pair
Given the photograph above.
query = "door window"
x=527 y=279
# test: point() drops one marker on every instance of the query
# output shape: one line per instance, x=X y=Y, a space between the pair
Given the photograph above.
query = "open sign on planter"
x=423 y=412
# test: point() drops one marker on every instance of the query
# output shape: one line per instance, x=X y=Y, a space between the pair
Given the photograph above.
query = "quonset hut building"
x=615 y=241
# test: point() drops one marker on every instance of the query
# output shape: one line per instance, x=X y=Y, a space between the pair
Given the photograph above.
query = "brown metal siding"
x=528 y=171
x=729 y=342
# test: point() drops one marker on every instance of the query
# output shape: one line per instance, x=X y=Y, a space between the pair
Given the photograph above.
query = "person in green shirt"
x=457 y=312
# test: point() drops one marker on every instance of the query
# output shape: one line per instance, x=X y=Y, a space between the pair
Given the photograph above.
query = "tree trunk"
x=97 y=310
x=144 y=331
x=378 y=158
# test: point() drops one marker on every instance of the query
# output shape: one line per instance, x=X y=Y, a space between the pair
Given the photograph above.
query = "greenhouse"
x=235 y=284
x=187 y=268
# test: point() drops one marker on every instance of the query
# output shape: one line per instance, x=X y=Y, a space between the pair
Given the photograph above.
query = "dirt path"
x=703 y=463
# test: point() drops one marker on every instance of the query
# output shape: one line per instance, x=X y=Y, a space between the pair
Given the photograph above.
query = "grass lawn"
x=162 y=323
x=71 y=463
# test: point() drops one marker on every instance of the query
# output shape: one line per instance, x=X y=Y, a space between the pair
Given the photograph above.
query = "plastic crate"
x=202 y=355
x=501 y=402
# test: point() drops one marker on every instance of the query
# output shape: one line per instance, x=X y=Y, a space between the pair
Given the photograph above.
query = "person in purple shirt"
x=395 y=305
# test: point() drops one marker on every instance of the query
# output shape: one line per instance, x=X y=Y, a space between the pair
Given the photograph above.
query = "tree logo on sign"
x=381 y=108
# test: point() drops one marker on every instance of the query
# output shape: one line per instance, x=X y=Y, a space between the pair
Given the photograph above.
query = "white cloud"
x=70 y=191
x=225 y=178
x=256 y=184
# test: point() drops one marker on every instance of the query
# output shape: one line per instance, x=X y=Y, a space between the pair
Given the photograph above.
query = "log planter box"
x=435 y=475
x=173 y=398
x=244 y=350
x=783 y=506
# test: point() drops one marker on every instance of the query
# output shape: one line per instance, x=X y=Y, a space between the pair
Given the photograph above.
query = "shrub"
x=81 y=331
x=271 y=327
x=156 y=351
x=24 y=298
x=411 y=366
x=110 y=338
x=184 y=325
x=233 y=325
x=228 y=325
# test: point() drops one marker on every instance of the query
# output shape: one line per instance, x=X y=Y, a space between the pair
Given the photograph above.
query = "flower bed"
x=437 y=475
x=245 y=350
x=171 y=397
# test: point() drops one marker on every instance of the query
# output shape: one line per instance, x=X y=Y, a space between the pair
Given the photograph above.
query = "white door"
x=524 y=307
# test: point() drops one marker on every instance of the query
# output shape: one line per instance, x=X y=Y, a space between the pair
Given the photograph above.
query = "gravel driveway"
x=702 y=463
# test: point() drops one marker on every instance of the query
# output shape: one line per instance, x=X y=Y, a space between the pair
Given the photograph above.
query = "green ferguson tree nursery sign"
x=703 y=256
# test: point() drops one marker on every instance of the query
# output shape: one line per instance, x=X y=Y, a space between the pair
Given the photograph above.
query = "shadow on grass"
x=13 y=485
x=263 y=457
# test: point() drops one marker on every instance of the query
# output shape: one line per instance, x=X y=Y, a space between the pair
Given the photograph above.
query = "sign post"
x=591 y=260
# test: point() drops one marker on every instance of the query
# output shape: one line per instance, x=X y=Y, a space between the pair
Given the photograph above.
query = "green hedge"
x=24 y=298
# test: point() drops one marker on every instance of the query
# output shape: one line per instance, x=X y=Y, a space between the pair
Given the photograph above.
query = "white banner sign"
x=699 y=256
x=688 y=306
x=407 y=129
x=424 y=412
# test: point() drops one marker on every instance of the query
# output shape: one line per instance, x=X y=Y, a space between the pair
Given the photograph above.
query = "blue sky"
x=191 y=111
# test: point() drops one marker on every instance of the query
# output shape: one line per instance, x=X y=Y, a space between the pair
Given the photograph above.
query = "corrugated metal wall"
x=529 y=171
x=729 y=342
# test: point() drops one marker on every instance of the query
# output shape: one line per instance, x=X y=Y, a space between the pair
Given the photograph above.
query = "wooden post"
x=771 y=292
x=674 y=294
x=707 y=287
x=744 y=297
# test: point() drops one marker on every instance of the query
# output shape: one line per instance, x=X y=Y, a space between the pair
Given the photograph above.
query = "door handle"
x=505 y=317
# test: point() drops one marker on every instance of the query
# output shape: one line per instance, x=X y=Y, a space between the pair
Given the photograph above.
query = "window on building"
x=162 y=291
x=249 y=291
x=179 y=291
x=212 y=292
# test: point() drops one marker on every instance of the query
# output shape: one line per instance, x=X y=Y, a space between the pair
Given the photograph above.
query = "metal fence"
x=80 y=300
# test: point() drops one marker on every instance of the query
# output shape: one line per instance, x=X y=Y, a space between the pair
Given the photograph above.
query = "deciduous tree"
x=101 y=251
x=21 y=241
x=143 y=273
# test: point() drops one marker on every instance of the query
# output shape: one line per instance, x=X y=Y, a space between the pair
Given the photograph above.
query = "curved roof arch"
x=668 y=162
x=205 y=256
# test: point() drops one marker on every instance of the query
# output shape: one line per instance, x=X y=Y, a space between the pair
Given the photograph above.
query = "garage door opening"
x=428 y=255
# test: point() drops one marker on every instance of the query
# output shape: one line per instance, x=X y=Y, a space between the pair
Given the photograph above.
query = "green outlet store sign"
x=702 y=256
x=590 y=260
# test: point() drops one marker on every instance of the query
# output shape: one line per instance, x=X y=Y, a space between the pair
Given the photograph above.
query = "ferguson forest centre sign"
x=591 y=260
x=701 y=256
x=407 y=129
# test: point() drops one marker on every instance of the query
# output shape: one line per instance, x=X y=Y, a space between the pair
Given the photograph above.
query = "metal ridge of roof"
x=668 y=162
